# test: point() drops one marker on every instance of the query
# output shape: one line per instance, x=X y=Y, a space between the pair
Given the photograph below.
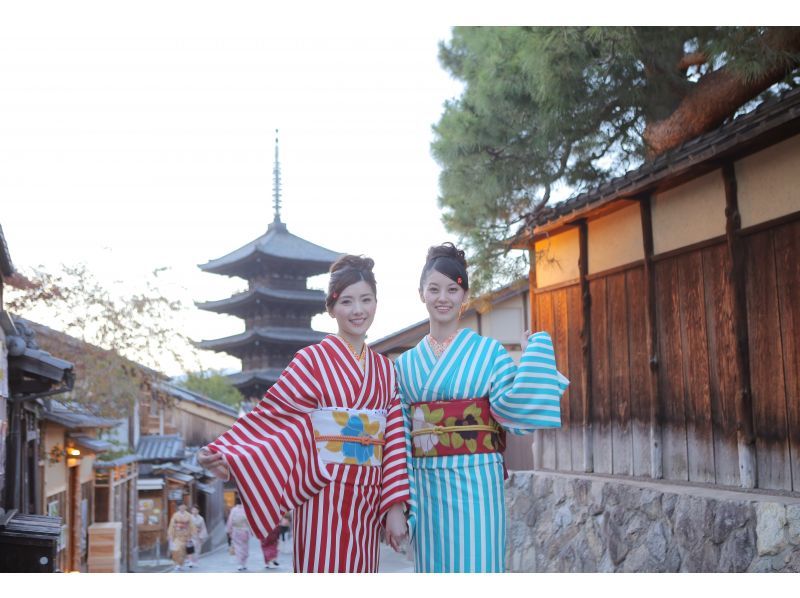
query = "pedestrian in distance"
x=201 y=534
x=283 y=526
x=326 y=442
x=461 y=394
x=239 y=531
x=180 y=532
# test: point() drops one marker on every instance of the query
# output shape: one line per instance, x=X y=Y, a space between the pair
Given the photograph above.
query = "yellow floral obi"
x=350 y=436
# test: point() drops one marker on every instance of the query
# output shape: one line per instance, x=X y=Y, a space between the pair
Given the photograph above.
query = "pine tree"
x=551 y=108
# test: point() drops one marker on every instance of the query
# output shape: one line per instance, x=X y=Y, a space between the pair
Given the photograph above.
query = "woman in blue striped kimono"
x=461 y=394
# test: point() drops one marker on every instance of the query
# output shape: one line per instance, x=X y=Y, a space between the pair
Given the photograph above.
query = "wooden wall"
x=696 y=376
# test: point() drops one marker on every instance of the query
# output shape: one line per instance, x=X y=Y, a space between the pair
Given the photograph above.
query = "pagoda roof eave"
x=287 y=336
x=264 y=376
x=277 y=243
x=308 y=296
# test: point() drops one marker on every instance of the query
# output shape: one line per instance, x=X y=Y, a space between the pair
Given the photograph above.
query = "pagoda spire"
x=276 y=184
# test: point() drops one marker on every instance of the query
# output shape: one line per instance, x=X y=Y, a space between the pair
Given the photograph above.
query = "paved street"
x=221 y=561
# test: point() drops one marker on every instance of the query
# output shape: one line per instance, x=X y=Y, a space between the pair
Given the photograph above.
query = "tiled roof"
x=93 y=444
x=124 y=460
x=6 y=267
x=769 y=116
x=185 y=394
x=279 y=243
x=156 y=448
x=75 y=416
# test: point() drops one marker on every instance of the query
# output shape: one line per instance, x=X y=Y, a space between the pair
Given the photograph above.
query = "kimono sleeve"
x=529 y=397
x=394 y=483
x=271 y=451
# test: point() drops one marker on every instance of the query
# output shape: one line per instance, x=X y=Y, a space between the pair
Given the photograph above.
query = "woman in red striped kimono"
x=327 y=441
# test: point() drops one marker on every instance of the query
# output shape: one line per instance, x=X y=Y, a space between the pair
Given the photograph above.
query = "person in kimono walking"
x=180 y=532
x=461 y=394
x=326 y=441
x=239 y=531
x=269 y=548
x=201 y=534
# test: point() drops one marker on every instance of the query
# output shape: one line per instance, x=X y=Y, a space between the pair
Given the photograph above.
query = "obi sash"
x=455 y=427
x=350 y=436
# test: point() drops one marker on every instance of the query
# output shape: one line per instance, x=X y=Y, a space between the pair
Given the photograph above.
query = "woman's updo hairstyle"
x=347 y=270
x=448 y=260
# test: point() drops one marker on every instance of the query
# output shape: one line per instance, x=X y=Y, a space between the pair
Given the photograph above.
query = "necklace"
x=359 y=357
x=440 y=348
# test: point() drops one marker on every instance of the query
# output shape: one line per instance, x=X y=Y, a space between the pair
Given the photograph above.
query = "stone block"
x=637 y=561
x=793 y=519
x=728 y=517
x=770 y=524
x=792 y=561
x=668 y=502
x=651 y=503
x=656 y=543
x=738 y=550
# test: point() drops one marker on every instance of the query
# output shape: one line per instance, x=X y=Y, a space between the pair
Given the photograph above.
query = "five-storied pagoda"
x=277 y=307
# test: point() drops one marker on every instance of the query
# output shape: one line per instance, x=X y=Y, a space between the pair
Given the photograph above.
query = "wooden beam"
x=586 y=346
x=745 y=438
x=536 y=447
x=656 y=412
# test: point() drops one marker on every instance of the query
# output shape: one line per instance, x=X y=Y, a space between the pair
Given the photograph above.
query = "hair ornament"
x=459 y=280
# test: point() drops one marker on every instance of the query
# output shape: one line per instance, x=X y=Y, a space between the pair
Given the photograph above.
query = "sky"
x=130 y=143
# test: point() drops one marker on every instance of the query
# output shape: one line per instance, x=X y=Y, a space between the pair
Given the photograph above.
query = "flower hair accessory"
x=459 y=280
x=335 y=295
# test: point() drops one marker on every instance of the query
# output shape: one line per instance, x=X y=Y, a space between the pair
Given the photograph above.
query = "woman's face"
x=354 y=310
x=442 y=297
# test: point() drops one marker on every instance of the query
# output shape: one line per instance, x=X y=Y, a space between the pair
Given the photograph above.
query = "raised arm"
x=528 y=397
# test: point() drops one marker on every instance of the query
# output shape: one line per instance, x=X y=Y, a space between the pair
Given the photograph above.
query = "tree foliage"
x=552 y=109
x=214 y=385
x=117 y=341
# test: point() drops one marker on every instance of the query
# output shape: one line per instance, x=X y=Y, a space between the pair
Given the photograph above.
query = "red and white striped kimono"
x=273 y=457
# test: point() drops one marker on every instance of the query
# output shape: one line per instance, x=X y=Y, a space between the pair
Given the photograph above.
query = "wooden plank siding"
x=787 y=253
x=697 y=399
x=722 y=368
x=574 y=394
x=600 y=389
x=560 y=336
x=619 y=386
x=767 y=359
x=670 y=378
x=546 y=439
x=697 y=378
x=638 y=371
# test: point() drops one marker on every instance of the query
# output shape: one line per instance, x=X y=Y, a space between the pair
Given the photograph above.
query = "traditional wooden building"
x=70 y=447
x=673 y=298
x=277 y=306
x=28 y=539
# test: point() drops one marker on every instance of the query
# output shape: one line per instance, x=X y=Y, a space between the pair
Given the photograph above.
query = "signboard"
x=176 y=494
x=148 y=516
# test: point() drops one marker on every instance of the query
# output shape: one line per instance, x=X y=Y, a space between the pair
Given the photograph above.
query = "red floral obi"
x=457 y=427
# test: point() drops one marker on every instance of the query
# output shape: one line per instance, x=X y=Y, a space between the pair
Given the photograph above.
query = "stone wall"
x=586 y=523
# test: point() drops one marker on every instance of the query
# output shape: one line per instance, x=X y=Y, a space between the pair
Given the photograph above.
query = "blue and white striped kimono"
x=457 y=519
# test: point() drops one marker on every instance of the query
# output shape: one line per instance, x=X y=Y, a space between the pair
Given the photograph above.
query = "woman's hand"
x=396 y=528
x=215 y=463
x=523 y=344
